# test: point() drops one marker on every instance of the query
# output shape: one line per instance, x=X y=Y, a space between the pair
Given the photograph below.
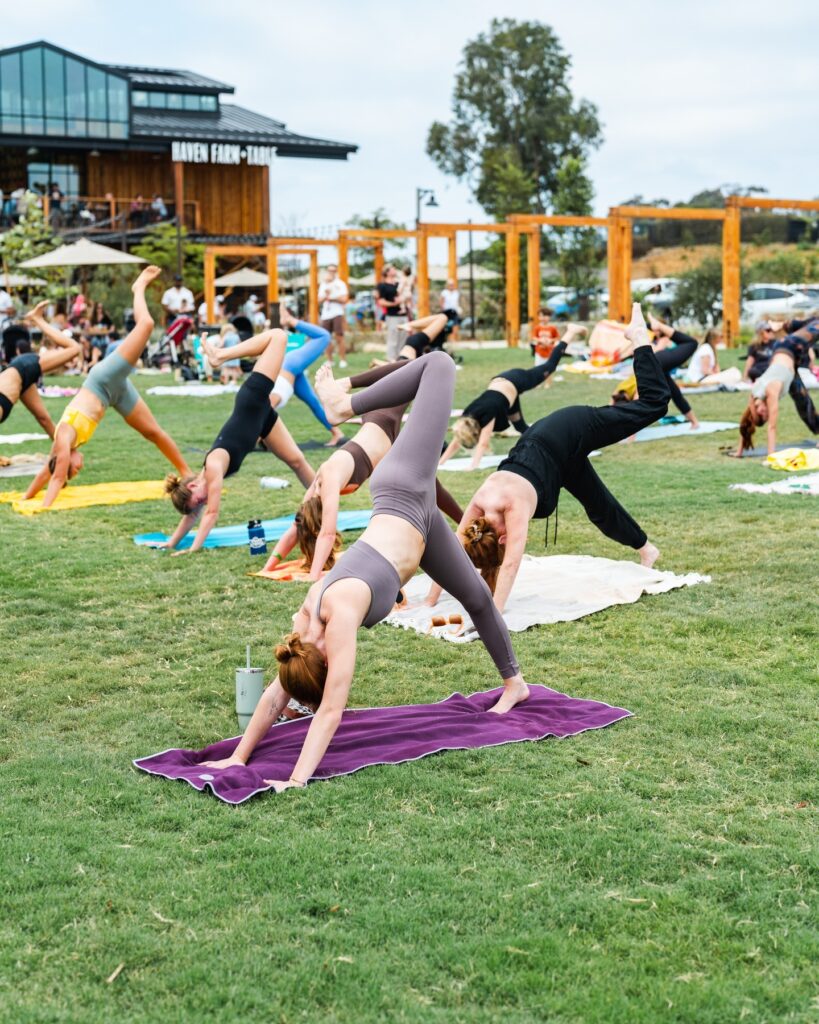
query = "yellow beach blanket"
x=793 y=459
x=86 y=497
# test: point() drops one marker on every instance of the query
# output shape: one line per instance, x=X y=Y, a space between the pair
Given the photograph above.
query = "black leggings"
x=570 y=434
x=672 y=358
x=804 y=404
x=527 y=380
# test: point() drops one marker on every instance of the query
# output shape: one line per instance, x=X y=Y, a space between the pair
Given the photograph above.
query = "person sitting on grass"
x=18 y=382
x=252 y=419
x=107 y=385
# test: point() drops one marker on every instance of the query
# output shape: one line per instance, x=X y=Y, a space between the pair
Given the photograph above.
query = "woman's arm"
x=58 y=477
x=517 y=532
x=272 y=703
x=329 y=527
x=772 y=396
x=35 y=405
x=454 y=446
x=483 y=445
x=746 y=373
x=284 y=546
x=186 y=523
x=214 y=478
x=341 y=641
x=38 y=483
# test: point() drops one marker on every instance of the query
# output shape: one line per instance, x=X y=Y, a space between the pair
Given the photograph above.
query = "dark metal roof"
x=170 y=78
x=234 y=124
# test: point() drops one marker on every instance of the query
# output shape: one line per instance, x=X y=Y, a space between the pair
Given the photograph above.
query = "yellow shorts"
x=83 y=425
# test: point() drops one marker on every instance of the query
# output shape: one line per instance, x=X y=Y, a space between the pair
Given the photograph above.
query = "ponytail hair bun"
x=484 y=548
x=180 y=493
x=466 y=430
x=302 y=669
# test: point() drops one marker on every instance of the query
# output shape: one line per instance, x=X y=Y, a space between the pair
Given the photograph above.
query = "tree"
x=699 y=291
x=362 y=261
x=158 y=246
x=514 y=119
x=578 y=250
x=31 y=236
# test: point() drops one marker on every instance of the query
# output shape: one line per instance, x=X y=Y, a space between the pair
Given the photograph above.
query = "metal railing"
x=104 y=214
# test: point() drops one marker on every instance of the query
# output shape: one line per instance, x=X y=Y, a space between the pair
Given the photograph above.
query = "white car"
x=657 y=292
x=811 y=290
x=769 y=300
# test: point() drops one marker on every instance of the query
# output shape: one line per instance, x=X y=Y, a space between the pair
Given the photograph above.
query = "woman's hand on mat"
x=280 y=786
x=181 y=551
x=226 y=762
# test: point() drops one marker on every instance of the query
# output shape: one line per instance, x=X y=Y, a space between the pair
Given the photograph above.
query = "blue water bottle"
x=255 y=537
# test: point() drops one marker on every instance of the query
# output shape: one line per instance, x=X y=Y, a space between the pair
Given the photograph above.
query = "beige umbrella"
x=83 y=253
x=244 y=278
x=20 y=281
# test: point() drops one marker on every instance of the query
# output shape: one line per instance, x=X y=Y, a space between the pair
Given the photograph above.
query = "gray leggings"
x=403 y=485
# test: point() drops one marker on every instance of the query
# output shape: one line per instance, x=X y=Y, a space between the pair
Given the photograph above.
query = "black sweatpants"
x=527 y=380
x=569 y=435
x=804 y=404
x=672 y=358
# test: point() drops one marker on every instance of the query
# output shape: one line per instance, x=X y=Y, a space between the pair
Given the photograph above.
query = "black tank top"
x=491 y=405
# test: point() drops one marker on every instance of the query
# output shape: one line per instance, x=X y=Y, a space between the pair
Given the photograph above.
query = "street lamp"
x=420 y=195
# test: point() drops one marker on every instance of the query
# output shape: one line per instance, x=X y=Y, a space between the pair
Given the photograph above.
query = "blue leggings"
x=297 y=362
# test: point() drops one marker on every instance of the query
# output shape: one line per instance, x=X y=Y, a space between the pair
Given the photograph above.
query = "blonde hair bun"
x=172 y=481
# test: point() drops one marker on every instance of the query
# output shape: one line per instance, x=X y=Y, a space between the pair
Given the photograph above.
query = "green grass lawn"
x=659 y=870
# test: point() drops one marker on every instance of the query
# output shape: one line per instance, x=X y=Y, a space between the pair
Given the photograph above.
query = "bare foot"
x=149 y=274
x=38 y=312
x=637 y=332
x=337 y=405
x=648 y=554
x=572 y=332
x=655 y=324
x=335 y=436
x=514 y=692
x=214 y=354
x=345 y=384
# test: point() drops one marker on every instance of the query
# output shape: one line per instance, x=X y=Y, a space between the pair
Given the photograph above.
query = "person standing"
x=333 y=295
x=178 y=300
x=451 y=305
x=394 y=313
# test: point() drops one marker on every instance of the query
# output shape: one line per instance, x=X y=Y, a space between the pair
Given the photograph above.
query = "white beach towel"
x=793 y=485
x=20 y=438
x=194 y=390
x=553 y=588
x=682 y=430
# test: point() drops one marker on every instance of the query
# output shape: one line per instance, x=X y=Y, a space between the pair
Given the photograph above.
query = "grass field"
x=660 y=870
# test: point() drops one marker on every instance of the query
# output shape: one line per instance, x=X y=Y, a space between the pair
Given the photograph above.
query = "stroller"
x=171 y=349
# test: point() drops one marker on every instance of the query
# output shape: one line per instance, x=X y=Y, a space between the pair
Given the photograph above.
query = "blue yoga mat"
x=683 y=430
x=236 y=536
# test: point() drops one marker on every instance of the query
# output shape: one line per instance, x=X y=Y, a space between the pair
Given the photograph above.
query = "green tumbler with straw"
x=249 y=690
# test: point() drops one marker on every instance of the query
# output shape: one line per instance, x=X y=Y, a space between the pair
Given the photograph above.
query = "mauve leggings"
x=445 y=501
x=403 y=484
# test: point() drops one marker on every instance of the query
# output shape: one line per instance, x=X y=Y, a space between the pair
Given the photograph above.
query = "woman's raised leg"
x=134 y=343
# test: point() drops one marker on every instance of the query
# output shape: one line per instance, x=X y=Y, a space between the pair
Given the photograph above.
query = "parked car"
x=657 y=292
x=810 y=290
x=762 y=300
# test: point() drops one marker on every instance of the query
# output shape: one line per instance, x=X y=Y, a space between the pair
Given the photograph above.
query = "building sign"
x=221 y=153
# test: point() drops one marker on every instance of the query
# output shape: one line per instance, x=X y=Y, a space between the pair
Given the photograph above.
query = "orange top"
x=544 y=337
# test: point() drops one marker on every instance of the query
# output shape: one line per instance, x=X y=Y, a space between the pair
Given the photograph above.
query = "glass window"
x=77 y=126
x=98 y=129
x=190 y=101
x=174 y=101
x=33 y=82
x=97 y=101
x=55 y=126
x=117 y=130
x=139 y=98
x=208 y=102
x=33 y=126
x=54 y=83
x=11 y=125
x=75 y=88
x=11 y=92
x=117 y=99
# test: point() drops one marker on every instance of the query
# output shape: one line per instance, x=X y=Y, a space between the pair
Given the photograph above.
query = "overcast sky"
x=690 y=95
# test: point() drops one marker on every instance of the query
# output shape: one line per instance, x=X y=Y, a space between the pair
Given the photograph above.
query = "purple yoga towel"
x=371 y=736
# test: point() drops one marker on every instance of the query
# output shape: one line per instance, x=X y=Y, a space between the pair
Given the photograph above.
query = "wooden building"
x=114 y=137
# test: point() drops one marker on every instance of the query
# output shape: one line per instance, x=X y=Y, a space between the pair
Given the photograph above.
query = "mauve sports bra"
x=363 y=562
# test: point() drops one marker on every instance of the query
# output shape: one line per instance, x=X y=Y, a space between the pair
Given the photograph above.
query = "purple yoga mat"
x=371 y=736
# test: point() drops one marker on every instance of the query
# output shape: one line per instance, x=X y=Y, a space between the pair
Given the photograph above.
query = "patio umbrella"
x=83 y=253
x=20 y=281
x=244 y=278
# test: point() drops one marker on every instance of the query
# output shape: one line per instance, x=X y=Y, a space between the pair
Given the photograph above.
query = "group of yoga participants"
x=477 y=563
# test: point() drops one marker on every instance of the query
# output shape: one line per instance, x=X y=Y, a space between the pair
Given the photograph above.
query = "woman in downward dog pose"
x=252 y=418
x=553 y=453
x=292 y=379
x=107 y=385
x=499 y=406
x=673 y=349
x=317 y=661
x=18 y=382
x=424 y=335
x=315 y=528
x=781 y=377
